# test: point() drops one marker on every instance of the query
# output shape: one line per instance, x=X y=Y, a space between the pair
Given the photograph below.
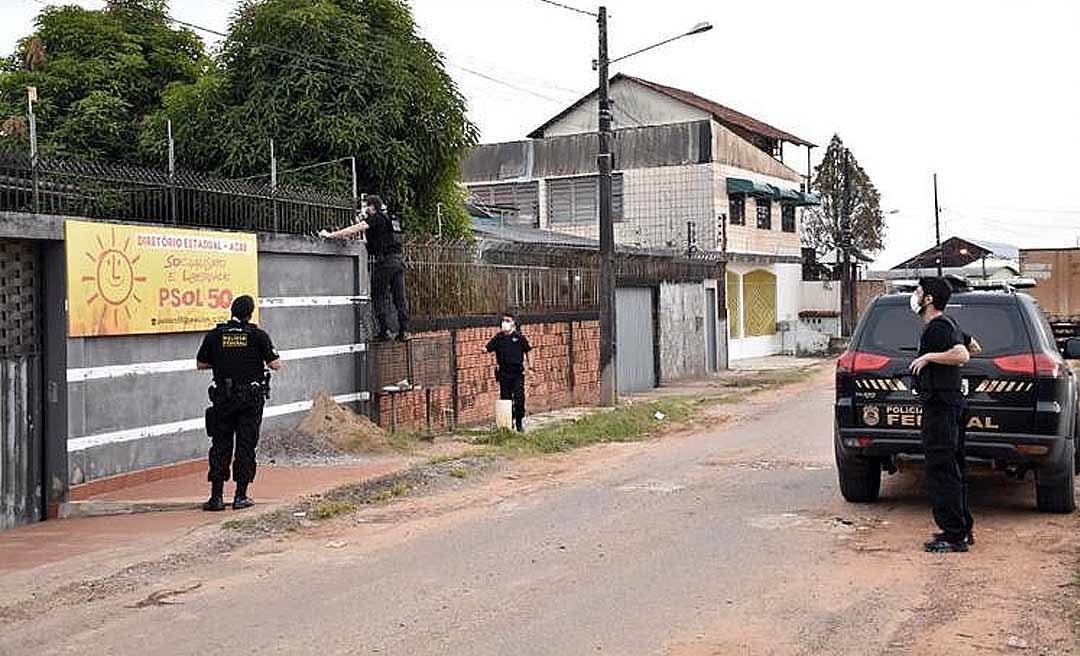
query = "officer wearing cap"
x=238 y=353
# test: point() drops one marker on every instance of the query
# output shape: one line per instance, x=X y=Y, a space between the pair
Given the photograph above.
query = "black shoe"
x=945 y=546
x=239 y=503
x=520 y=427
x=969 y=538
x=215 y=504
x=404 y=336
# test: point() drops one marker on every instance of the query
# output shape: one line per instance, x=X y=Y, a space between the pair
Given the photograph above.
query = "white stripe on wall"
x=177 y=427
x=309 y=301
x=167 y=366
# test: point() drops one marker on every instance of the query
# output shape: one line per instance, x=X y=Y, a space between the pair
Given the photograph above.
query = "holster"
x=211 y=421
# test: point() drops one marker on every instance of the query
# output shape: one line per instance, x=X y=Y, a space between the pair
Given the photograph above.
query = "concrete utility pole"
x=847 y=310
x=937 y=232
x=608 y=381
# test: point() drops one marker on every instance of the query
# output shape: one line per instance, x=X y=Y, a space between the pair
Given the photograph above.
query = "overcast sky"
x=984 y=92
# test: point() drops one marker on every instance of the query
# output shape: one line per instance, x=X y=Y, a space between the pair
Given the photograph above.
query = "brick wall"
x=566 y=372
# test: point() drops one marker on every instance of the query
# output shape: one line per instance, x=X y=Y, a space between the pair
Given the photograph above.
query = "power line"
x=506 y=84
x=567 y=7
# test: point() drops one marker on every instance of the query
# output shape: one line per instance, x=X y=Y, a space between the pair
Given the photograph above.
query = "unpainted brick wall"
x=566 y=372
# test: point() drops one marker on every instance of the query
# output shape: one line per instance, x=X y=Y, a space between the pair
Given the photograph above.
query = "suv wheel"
x=860 y=478
x=1058 y=494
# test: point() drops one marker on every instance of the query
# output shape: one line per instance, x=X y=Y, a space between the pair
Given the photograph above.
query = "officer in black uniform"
x=237 y=352
x=384 y=245
x=942 y=351
x=511 y=349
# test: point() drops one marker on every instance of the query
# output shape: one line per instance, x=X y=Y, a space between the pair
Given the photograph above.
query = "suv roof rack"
x=961 y=284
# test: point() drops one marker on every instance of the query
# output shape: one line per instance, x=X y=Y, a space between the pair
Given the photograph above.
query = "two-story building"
x=689 y=174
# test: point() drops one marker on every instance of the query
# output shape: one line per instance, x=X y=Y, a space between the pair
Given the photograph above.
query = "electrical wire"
x=568 y=7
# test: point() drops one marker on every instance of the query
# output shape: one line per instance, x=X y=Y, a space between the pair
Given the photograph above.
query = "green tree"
x=821 y=227
x=329 y=79
x=99 y=75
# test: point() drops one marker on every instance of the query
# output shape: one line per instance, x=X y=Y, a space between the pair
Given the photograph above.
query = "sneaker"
x=214 y=504
x=969 y=538
x=404 y=336
x=239 y=503
x=944 y=546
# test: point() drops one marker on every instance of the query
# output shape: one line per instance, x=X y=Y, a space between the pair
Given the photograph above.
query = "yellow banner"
x=125 y=279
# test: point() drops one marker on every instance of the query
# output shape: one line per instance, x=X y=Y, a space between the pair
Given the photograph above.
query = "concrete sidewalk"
x=51 y=541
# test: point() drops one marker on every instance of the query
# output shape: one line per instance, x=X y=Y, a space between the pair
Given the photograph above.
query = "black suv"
x=1022 y=396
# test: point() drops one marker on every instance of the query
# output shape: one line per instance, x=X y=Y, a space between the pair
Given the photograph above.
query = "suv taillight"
x=1042 y=365
x=853 y=362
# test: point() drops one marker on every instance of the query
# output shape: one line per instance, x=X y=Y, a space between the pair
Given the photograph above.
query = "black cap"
x=243 y=307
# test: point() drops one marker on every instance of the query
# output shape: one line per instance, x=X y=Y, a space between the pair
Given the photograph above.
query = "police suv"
x=1022 y=396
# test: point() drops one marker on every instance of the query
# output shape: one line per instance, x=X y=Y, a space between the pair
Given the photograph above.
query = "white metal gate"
x=635 y=339
x=21 y=447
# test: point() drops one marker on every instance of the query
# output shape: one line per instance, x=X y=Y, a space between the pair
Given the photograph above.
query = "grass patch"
x=459 y=472
x=626 y=424
x=400 y=489
x=329 y=509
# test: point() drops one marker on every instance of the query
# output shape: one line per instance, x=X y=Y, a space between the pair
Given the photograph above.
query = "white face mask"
x=916 y=303
x=508 y=326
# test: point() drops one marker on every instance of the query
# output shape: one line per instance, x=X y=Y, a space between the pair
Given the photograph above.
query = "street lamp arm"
x=698 y=29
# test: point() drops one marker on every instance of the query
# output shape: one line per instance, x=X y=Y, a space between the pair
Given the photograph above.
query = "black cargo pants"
x=388 y=281
x=234 y=436
x=512 y=388
x=943 y=440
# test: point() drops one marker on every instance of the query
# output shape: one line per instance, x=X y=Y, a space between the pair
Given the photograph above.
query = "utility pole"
x=172 y=173
x=937 y=232
x=31 y=98
x=847 y=310
x=608 y=381
x=273 y=186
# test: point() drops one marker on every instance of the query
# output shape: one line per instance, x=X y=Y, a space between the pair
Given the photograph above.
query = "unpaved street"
x=727 y=538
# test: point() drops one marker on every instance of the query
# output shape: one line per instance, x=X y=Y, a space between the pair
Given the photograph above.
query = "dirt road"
x=728 y=539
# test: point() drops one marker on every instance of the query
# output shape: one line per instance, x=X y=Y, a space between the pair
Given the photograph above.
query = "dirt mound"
x=344 y=429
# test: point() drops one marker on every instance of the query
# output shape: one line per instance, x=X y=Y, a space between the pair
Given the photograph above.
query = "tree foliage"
x=98 y=73
x=328 y=79
x=822 y=226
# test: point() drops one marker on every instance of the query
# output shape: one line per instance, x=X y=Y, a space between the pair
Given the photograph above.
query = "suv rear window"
x=894 y=329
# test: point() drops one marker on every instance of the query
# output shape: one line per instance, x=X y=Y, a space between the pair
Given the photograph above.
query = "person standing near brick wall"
x=511 y=349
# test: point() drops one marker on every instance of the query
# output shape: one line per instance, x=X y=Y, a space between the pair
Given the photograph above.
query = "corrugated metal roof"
x=498 y=230
x=721 y=113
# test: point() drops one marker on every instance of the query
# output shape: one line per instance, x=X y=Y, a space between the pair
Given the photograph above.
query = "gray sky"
x=984 y=92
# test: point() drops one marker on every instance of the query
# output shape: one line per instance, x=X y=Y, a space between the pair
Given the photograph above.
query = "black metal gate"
x=21 y=442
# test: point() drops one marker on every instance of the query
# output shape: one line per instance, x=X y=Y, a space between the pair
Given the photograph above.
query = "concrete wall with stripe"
x=137 y=401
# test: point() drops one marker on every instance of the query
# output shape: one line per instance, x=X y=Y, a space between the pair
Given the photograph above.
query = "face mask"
x=917 y=305
x=508 y=326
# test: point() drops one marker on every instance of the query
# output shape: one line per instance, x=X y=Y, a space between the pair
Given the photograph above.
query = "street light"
x=608 y=383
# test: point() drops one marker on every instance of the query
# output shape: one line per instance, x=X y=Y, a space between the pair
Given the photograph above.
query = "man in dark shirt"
x=942 y=351
x=237 y=352
x=388 y=267
x=511 y=349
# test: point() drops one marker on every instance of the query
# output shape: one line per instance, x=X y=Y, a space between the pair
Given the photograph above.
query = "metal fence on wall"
x=448 y=279
x=126 y=192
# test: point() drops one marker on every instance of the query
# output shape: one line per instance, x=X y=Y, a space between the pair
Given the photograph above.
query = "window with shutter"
x=575 y=201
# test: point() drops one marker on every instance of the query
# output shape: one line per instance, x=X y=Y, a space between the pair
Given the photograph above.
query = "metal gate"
x=635 y=339
x=21 y=444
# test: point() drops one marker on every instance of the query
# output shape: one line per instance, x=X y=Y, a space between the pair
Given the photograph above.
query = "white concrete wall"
x=819 y=295
x=788 y=291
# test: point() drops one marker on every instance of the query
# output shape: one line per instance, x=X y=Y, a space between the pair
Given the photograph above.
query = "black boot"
x=216 y=503
x=519 y=424
x=242 y=500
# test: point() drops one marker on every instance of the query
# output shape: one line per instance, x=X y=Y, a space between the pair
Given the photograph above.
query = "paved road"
x=731 y=540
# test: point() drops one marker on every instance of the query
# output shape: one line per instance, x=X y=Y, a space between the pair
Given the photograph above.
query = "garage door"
x=634 y=339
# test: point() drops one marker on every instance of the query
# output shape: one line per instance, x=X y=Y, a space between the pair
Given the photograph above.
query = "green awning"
x=743 y=186
x=787 y=195
x=808 y=198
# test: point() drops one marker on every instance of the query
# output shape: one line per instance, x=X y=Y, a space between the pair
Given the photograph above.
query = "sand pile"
x=340 y=426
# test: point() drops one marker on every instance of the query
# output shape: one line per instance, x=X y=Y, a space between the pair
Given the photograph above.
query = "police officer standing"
x=388 y=270
x=942 y=352
x=237 y=352
x=511 y=349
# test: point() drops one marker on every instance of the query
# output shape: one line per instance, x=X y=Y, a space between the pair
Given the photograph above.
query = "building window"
x=575 y=201
x=516 y=202
x=787 y=218
x=737 y=209
x=764 y=213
